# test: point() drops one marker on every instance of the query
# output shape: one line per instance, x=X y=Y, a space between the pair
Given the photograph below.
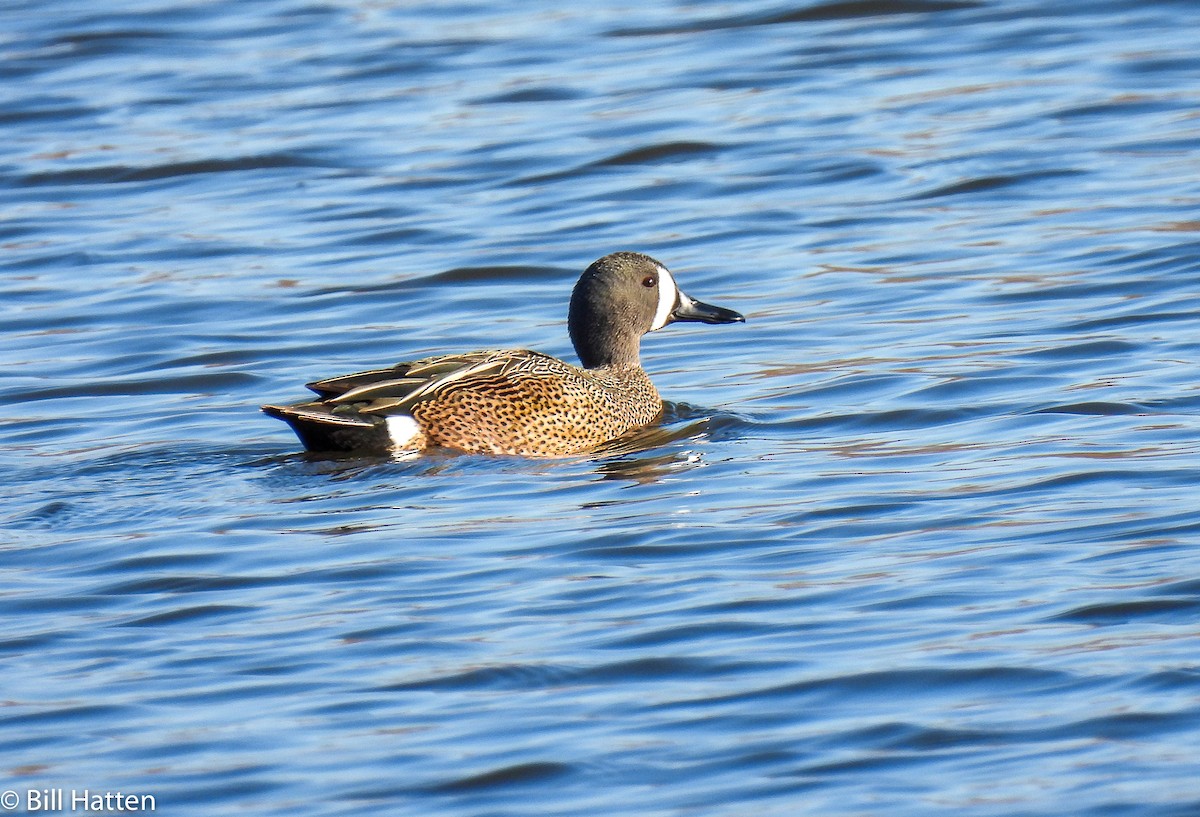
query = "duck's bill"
x=689 y=310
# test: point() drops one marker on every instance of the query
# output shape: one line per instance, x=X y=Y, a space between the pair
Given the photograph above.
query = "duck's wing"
x=333 y=386
x=405 y=385
x=336 y=386
x=350 y=411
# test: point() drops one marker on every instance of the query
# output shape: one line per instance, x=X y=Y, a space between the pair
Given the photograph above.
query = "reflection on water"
x=919 y=539
x=675 y=442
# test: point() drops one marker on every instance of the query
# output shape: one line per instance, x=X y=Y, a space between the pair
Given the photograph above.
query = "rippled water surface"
x=919 y=538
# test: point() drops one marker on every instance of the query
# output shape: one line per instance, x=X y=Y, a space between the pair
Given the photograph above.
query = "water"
x=919 y=538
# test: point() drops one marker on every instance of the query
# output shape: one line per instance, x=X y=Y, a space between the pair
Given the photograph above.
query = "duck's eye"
x=649 y=281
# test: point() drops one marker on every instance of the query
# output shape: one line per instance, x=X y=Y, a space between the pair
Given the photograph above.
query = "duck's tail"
x=320 y=429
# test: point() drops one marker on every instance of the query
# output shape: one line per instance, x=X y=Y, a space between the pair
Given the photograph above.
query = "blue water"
x=920 y=538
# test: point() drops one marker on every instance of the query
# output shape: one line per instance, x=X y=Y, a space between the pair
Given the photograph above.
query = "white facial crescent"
x=668 y=294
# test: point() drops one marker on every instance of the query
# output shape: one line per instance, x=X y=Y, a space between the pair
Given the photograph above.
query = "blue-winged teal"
x=515 y=402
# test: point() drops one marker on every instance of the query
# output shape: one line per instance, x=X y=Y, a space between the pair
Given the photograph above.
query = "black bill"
x=689 y=310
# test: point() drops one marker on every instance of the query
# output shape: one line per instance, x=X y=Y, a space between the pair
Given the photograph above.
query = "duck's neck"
x=600 y=351
x=603 y=342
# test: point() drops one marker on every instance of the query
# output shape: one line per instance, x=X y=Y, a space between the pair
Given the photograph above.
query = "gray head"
x=622 y=297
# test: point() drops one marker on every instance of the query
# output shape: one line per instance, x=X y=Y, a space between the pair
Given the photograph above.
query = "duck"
x=517 y=401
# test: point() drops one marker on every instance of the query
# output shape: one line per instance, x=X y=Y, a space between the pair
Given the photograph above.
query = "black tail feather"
x=319 y=429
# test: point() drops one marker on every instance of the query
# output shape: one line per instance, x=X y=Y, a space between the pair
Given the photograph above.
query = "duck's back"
x=532 y=404
x=496 y=402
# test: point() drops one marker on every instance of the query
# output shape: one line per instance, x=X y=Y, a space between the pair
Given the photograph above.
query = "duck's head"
x=623 y=296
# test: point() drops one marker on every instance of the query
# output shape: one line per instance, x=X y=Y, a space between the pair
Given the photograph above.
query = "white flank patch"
x=668 y=294
x=402 y=429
